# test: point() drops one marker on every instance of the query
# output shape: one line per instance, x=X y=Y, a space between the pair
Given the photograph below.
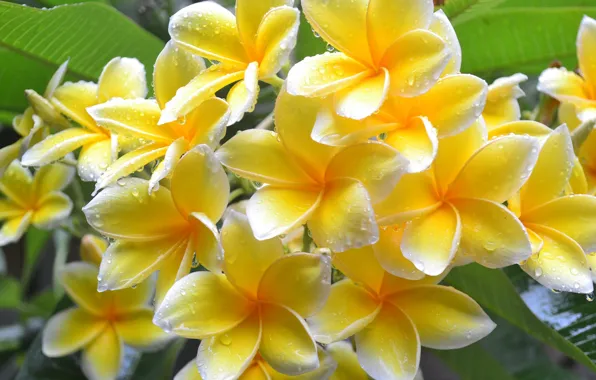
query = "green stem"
x=236 y=194
x=306 y=239
x=581 y=133
x=275 y=81
x=267 y=123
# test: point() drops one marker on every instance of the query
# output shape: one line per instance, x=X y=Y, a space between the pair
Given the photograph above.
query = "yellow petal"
x=45 y=110
x=56 y=146
x=572 y=215
x=73 y=99
x=389 y=348
x=578 y=182
x=246 y=258
x=552 y=171
x=431 y=241
x=273 y=165
x=497 y=170
x=273 y=211
x=560 y=264
x=441 y=26
x=365 y=98
x=208 y=30
x=202 y=304
x=383 y=29
x=207 y=124
x=126 y=210
x=206 y=242
x=563 y=85
x=243 y=96
x=286 y=344
x=415 y=62
x=445 y=318
x=349 y=309
x=388 y=253
x=325 y=369
x=586 y=43
x=173 y=268
x=9 y=209
x=491 y=234
x=250 y=15
x=137 y=330
x=135 y=299
x=17 y=184
x=170 y=160
x=453 y=103
x=82 y=329
x=361 y=266
x=101 y=359
x=174 y=68
x=299 y=281
x=122 y=78
x=377 y=166
x=52 y=178
x=418 y=143
x=92 y=248
x=567 y=114
x=276 y=37
x=501 y=104
x=199 y=184
x=522 y=127
x=13 y=229
x=348 y=367
x=189 y=372
x=229 y=354
x=52 y=209
x=80 y=282
x=342 y=25
x=8 y=154
x=23 y=123
x=325 y=74
x=345 y=218
x=94 y=159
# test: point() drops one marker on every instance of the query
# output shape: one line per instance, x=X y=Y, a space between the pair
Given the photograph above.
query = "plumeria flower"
x=166 y=230
x=101 y=323
x=257 y=307
x=251 y=46
x=138 y=118
x=92 y=248
x=331 y=189
x=561 y=228
x=348 y=367
x=121 y=78
x=456 y=206
x=501 y=104
x=392 y=317
x=378 y=57
x=33 y=199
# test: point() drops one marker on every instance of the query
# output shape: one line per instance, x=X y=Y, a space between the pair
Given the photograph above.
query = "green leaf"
x=10 y=292
x=35 y=240
x=308 y=44
x=39 y=367
x=473 y=363
x=563 y=321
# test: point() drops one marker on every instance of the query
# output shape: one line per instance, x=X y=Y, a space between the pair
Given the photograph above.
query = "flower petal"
x=52 y=209
x=501 y=104
x=207 y=123
x=208 y=30
x=80 y=283
x=497 y=170
x=56 y=79
x=431 y=241
x=228 y=355
x=273 y=211
x=126 y=210
x=246 y=258
x=189 y=372
x=122 y=78
x=243 y=96
x=361 y=266
x=349 y=309
x=17 y=184
x=273 y=165
x=418 y=143
x=388 y=253
x=82 y=328
x=250 y=16
x=389 y=348
x=586 y=43
x=14 y=228
x=45 y=111
x=563 y=85
x=206 y=242
x=441 y=26
x=345 y=218
x=101 y=359
x=9 y=210
x=286 y=345
x=52 y=178
x=276 y=38
x=202 y=304
x=73 y=99
x=94 y=159
x=170 y=160
x=445 y=318
x=348 y=366
x=56 y=146
x=137 y=330
x=491 y=234
x=8 y=154
x=363 y=99
x=415 y=62
x=560 y=264
x=173 y=268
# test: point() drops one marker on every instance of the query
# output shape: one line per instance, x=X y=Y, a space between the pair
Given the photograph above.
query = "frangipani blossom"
x=101 y=323
x=501 y=103
x=33 y=199
x=348 y=367
x=121 y=78
x=385 y=49
x=562 y=229
x=456 y=207
x=92 y=249
x=256 y=308
x=392 y=317
x=251 y=46
x=330 y=189
x=138 y=118
x=165 y=230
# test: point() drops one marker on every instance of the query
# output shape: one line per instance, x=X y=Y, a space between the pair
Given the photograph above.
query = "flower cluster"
x=387 y=162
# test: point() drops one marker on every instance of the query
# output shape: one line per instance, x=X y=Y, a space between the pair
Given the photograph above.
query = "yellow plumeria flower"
x=138 y=118
x=251 y=46
x=455 y=206
x=92 y=248
x=378 y=56
x=330 y=189
x=348 y=367
x=561 y=228
x=101 y=323
x=392 y=317
x=165 y=230
x=121 y=78
x=501 y=104
x=33 y=199
x=258 y=306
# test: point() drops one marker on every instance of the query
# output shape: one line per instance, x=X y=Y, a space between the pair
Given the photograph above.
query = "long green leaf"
x=473 y=363
x=10 y=292
x=35 y=241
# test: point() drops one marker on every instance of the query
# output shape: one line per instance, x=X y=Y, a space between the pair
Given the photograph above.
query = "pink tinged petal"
x=243 y=96
x=363 y=99
x=276 y=39
x=82 y=329
x=586 y=43
x=441 y=26
x=102 y=358
x=390 y=347
x=417 y=142
x=431 y=241
x=388 y=253
x=122 y=78
x=52 y=209
x=13 y=229
x=94 y=160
